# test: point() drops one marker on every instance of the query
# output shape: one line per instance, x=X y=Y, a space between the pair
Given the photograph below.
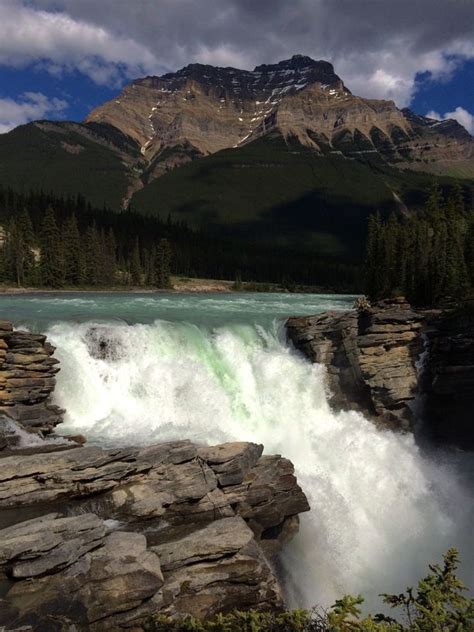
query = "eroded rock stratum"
x=397 y=365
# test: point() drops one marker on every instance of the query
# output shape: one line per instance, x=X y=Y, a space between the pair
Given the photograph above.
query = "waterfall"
x=381 y=508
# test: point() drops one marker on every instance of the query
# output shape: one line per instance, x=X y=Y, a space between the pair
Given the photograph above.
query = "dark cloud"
x=377 y=46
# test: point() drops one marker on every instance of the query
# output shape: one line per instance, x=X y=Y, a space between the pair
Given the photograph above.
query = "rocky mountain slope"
x=202 y=109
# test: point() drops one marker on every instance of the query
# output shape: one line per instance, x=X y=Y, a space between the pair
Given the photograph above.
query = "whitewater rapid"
x=381 y=509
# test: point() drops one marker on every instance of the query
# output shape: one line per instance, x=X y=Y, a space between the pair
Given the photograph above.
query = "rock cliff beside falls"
x=448 y=382
x=100 y=539
x=27 y=379
x=370 y=357
x=394 y=364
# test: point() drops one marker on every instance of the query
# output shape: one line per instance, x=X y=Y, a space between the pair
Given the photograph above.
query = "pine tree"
x=237 y=286
x=92 y=255
x=135 y=264
x=422 y=291
x=151 y=267
x=74 y=263
x=376 y=270
x=51 y=263
x=391 y=241
x=456 y=271
x=163 y=264
x=25 y=229
x=18 y=255
x=469 y=249
x=110 y=257
x=405 y=254
x=15 y=253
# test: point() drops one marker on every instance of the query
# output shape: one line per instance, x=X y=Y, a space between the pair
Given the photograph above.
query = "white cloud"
x=462 y=116
x=30 y=106
x=60 y=42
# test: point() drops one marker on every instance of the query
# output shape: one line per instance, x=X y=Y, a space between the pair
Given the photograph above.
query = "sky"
x=60 y=58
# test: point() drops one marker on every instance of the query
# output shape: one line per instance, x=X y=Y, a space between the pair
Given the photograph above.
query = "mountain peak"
x=300 y=68
x=296 y=62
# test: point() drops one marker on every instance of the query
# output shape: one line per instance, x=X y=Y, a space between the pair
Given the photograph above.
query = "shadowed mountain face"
x=281 y=153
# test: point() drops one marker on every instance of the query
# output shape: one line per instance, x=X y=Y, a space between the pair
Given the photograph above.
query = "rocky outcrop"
x=393 y=363
x=68 y=571
x=102 y=539
x=370 y=357
x=27 y=379
x=448 y=383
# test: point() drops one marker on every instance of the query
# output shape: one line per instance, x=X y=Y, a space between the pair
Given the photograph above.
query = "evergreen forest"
x=427 y=257
x=57 y=242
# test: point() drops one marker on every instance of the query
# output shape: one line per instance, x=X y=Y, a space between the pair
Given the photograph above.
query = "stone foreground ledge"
x=101 y=539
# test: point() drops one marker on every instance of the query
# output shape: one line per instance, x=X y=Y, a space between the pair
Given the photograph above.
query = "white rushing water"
x=381 y=510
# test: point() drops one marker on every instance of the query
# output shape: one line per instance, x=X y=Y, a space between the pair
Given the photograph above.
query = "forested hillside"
x=60 y=242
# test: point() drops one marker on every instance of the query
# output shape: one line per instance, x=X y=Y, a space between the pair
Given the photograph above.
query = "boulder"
x=215 y=569
x=74 y=571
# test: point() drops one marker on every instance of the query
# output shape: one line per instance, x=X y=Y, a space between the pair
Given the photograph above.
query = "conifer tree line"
x=86 y=237
x=427 y=257
x=60 y=254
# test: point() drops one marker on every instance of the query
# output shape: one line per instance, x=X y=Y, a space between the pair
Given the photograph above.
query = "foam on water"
x=381 y=510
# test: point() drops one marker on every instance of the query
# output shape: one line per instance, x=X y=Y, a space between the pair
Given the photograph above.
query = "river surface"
x=217 y=367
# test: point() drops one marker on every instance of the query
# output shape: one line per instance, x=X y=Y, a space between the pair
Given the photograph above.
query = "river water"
x=215 y=368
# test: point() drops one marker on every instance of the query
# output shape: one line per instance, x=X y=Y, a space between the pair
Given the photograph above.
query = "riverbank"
x=179 y=285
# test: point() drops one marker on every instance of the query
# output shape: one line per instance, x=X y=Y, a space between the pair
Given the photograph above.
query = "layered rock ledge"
x=370 y=356
x=448 y=379
x=101 y=539
x=394 y=364
x=27 y=379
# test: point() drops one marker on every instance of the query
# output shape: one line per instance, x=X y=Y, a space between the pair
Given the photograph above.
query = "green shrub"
x=437 y=605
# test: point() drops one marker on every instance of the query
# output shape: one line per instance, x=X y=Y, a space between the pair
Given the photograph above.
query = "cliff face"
x=27 y=370
x=211 y=108
x=119 y=535
x=100 y=539
x=449 y=379
x=370 y=358
x=381 y=360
